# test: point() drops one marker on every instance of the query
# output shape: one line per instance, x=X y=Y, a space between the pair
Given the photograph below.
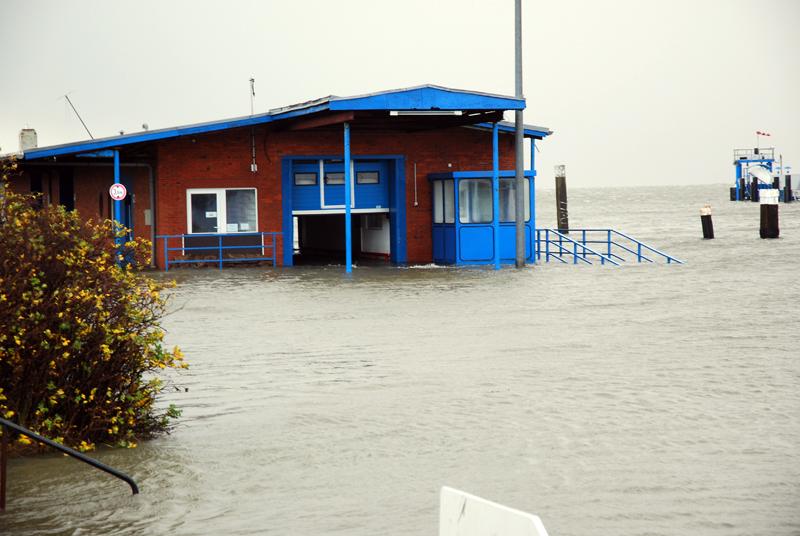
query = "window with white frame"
x=221 y=210
x=475 y=200
x=443 y=201
x=508 y=189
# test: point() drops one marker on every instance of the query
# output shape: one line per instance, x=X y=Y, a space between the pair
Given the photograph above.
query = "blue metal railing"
x=554 y=247
x=603 y=244
x=267 y=246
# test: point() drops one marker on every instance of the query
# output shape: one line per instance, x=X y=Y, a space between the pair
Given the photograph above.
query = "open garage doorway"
x=319 y=239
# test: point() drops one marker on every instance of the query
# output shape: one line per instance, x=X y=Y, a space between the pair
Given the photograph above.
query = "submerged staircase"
x=604 y=245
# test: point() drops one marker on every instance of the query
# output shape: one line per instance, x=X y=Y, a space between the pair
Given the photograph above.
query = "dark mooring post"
x=787 y=189
x=705 y=220
x=562 y=214
x=769 y=214
x=754 y=197
x=742 y=189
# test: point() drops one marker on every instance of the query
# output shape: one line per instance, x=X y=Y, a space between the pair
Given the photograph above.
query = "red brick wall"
x=223 y=159
x=92 y=183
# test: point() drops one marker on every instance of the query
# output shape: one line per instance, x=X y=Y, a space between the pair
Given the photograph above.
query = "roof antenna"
x=253 y=164
x=79 y=116
x=252 y=93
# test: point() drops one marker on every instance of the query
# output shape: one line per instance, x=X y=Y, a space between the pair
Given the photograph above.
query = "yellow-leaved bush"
x=80 y=335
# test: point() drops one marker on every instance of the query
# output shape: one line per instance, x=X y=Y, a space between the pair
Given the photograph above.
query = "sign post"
x=117 y=193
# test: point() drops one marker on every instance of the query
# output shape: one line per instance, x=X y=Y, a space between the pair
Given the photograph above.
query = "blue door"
x=319 y=184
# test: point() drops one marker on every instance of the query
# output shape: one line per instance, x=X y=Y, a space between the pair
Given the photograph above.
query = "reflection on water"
x=634 y=400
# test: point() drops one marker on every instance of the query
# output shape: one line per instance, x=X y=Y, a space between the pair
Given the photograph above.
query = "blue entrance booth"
x=470 y=226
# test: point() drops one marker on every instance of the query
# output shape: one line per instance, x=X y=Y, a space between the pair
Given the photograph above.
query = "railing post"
x=547 y=245
x=3 y=464
x=166 y=254
x=274 y=254
x=219 y=238
x=639 y=251
x=608 y=237
x=574 y=253
x=583 y=241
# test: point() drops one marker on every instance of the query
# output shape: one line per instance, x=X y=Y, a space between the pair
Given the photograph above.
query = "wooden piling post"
x=705 y=220
x=754 y=197
x=787 y=189
x=742 y=189
x=562 y=214
x=769 y=214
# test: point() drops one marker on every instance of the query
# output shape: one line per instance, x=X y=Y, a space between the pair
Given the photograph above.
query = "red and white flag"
x=759 y=133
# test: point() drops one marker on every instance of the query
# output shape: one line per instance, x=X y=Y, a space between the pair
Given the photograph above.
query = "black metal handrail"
x=5 y=424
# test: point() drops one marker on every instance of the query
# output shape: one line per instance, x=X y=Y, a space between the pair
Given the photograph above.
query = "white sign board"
x=462 y=514
x=117 y=191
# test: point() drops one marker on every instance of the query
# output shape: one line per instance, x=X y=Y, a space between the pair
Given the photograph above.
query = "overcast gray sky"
x=637 y=91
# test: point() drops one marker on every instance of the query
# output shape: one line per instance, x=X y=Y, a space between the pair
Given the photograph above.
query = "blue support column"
x=117 y=225
x=532 y=201
x=739 y=193
x=496 y=197
x=348 y=231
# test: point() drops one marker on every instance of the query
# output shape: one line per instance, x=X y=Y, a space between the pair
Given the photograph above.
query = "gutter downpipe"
x=495 y=198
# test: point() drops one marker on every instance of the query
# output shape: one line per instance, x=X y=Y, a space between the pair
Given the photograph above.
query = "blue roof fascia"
x=427 y=98
x=90 y=146
x=527 y=130
x=503 y=174
x=129 y=139
x=105 y=153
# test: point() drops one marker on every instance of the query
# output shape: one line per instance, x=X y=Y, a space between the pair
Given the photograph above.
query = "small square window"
x=368 y=177
x=305 y=179
x=334 y=178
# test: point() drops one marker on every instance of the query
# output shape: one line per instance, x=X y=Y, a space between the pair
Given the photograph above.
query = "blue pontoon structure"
x=748 y=163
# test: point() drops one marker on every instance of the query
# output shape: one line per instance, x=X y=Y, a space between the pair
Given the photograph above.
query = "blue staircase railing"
x=554 y=247
x=266 y=245
x=607 y=245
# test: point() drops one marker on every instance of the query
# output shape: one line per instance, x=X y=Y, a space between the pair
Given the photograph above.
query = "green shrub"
x=79 y=335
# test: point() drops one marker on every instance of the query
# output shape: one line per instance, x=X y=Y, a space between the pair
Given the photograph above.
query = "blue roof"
x=420 y=98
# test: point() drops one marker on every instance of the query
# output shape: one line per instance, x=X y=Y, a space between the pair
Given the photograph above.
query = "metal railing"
x=603 y=244
x=554 y=247
x=6 y=425
x=267 y=243
x=764 y=153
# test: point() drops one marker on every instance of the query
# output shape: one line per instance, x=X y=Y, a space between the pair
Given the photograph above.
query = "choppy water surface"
x=642 y=400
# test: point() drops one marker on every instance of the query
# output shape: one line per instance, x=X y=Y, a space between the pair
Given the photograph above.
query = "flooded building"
x=405 y=176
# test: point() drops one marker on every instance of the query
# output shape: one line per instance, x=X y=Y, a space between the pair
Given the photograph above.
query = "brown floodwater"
x=641 y=400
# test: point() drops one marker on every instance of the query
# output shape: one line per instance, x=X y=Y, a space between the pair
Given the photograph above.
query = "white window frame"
x=322 y=186
x=222 y=219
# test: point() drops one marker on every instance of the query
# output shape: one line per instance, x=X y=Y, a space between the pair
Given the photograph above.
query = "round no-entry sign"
x=117 y=191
